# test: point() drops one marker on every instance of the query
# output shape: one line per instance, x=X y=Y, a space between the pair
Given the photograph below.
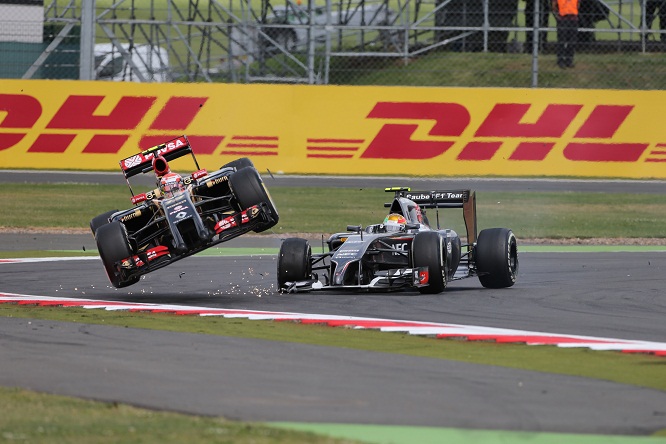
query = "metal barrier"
x=512 y=43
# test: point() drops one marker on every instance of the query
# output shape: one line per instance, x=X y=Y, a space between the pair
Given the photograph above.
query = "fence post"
x=536 y=26
x=87 y=43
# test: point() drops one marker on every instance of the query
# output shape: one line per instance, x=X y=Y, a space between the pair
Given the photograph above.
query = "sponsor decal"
x=199 y=174
x=332 y=148
x=424 y=131
x=154 y=194
x=436 y=196
x=147 y=156
x=176 y=209
x=505 y=120
x=132 y=161
x=151 y=254
x=219 y=180
x=400 y=248
x=131 y=216
x=225 y=224
x=251 y=146
x=159 y=118
x=253 y=212
x=142 y=197
x=346 y=253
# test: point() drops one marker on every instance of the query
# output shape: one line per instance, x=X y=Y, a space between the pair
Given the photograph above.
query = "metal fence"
x=621 y=44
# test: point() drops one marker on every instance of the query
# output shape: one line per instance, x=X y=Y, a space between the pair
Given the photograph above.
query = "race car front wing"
x=385 y=280
x=227 y=228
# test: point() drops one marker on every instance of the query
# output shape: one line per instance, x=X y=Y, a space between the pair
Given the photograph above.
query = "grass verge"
x=530 y=214
x=26 y=416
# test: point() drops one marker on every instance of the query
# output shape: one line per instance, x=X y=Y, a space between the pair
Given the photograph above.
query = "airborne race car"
x=409 y=255
x=181 y=217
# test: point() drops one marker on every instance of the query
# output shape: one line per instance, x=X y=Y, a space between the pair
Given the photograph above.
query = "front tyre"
x=294 y=261
x=428 y=250
x=250 y=190
x=100 y=220
x=239 y=164
x=113 y=246
x=496 y=256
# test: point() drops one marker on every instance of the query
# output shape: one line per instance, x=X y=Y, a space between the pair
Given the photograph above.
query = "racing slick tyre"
x=250 y=190
x=113 y=246
x=294 y=261
x=428 y=250
x=496 y=256
x=239 y=164
x=100 y=220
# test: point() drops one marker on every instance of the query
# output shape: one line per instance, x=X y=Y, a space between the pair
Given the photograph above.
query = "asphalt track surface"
x=378 y=182
x=616 y=295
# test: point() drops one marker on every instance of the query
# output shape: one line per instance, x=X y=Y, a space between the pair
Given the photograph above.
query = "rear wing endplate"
x=465 y=199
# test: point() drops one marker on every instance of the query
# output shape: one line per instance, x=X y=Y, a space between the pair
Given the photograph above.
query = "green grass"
x=31 y=417
x=445 y=68
x=529 y=214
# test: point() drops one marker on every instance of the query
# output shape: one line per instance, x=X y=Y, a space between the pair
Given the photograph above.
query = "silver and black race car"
x=182 y=216
x=409 y=254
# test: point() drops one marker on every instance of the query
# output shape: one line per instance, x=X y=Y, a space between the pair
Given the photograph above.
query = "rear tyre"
x=250 y=190
x=428 y=250
x=239 y=164
x=294 y=261
x=100 y=220
x=113 y=246
x=496 y=256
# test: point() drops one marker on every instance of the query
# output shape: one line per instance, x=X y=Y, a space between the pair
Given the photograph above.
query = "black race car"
x=406 y=253
x=182 y=216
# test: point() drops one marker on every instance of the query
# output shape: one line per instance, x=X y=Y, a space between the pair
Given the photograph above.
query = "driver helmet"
x=171 y=184
x=395 y=222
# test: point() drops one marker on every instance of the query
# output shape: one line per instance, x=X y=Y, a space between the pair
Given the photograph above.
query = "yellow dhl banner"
x=337 y=129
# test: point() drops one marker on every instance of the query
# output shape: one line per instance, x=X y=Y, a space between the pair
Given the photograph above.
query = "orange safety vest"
x=568 y=7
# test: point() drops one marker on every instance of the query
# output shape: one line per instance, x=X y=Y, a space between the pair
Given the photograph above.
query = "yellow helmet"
x=394 y=222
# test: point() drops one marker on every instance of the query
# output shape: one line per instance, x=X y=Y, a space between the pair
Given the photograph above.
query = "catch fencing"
x=458 y=43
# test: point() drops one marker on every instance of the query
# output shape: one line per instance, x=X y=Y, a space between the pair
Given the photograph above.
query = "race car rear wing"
x=143 y=161
x=465 y=199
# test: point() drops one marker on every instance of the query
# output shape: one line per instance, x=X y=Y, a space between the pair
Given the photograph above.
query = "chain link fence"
x=621 y=44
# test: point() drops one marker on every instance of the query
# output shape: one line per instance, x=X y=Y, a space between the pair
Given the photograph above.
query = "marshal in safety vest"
x=566 y=7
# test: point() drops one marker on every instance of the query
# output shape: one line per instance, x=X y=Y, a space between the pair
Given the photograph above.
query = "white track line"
x=434 y=329
x=47 y=259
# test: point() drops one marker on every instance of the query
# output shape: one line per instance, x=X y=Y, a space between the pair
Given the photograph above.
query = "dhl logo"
x=592 y=140
x=79 y=112
x=408 y=131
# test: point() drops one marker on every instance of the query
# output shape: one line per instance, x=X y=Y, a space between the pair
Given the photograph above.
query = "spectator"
x=544 y=6
x=566 y=14
x=651 y=7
